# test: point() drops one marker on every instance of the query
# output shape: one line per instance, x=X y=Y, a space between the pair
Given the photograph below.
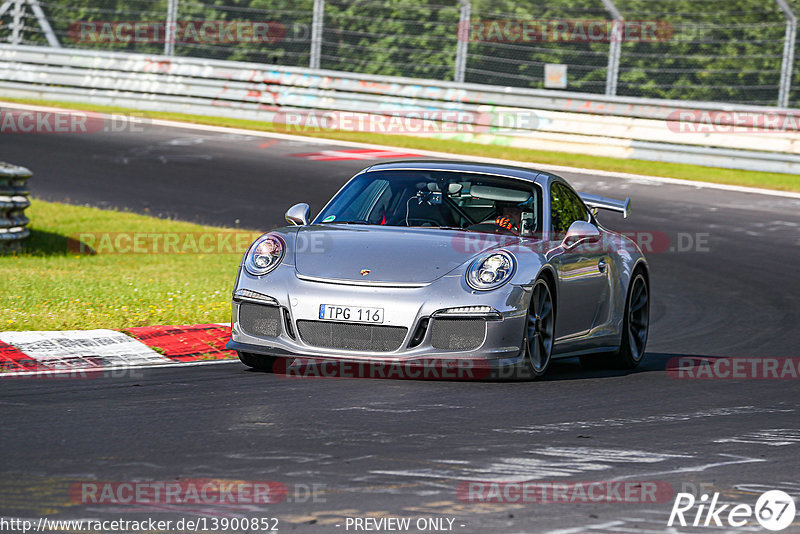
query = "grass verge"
x=778 y=181
x=50 y=285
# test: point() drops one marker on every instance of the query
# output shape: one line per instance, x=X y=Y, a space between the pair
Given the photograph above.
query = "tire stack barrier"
x=13 y=201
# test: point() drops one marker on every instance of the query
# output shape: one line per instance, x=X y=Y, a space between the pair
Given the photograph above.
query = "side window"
x=565 y=209
x=359 y=200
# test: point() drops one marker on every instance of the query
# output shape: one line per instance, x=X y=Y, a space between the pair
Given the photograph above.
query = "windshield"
x=453 y=200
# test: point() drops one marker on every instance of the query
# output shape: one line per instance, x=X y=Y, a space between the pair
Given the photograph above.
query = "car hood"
x=390 y=254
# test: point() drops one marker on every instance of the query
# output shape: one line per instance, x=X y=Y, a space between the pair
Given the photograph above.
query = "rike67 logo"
x=774 y=510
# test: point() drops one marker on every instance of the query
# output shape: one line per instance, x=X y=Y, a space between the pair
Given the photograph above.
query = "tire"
x=636 y=323
x=539 y=334
x=257 y=361
x=635 y=327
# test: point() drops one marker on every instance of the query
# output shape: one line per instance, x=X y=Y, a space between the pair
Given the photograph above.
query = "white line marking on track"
x=697 y=468
x=648 y=419
x=538 y=465
x=776 y=437
x=757 y=489
x=580 y=530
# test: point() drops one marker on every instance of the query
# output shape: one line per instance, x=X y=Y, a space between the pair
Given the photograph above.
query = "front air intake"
x=457 y=334
x=352 y=336
x=258 y=320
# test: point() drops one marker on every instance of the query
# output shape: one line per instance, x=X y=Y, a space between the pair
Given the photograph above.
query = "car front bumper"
x=417 y=314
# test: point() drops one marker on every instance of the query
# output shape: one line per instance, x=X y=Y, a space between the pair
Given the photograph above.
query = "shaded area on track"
x=391 y=447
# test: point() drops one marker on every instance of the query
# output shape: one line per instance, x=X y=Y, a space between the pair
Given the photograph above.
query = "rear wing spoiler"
x=603 y=203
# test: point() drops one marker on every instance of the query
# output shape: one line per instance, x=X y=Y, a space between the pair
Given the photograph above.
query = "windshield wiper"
x=375 y=224
x=453 y=228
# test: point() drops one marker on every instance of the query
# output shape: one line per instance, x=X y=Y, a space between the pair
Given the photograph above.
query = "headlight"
x=264 y=255
x=491 y=271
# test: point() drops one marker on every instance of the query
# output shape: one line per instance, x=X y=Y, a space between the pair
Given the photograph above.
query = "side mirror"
x=580 y=231
x=298 y=214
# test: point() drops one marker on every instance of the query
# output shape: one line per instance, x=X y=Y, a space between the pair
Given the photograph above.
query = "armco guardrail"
x=13 y=201
x=717 y=135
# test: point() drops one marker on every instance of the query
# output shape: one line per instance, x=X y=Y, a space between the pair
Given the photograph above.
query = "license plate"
x=352 y=314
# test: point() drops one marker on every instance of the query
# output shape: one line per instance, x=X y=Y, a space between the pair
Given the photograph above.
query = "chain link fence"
x=737 y=51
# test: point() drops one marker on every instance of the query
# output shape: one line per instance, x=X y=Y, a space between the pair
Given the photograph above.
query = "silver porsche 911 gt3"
x=503 y=267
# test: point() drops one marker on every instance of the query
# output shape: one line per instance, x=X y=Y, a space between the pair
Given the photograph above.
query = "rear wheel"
x=257 y=361
x=635 y=326
x=540 y=329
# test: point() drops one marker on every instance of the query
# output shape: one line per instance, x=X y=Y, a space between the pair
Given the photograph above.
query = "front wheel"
x=540 y=329
x=257 y=361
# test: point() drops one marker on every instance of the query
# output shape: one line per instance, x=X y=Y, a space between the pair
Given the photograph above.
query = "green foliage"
x=711 y=50
x=51 y=285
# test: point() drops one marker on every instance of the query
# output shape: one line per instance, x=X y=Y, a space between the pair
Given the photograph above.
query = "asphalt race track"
x=724 y=283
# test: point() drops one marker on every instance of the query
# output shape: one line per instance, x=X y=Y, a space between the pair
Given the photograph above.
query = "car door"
x=583 y=270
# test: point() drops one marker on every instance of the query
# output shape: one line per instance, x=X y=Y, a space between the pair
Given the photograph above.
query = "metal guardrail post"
x=317 y=24
x=49 y=34
x=788 y=54
x=615 y=47
x=16 y=23
x=13 y=201
x=171 y=27
x=464 y=16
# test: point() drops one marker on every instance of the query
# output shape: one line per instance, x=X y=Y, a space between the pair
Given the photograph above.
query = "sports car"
x=504 y=267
